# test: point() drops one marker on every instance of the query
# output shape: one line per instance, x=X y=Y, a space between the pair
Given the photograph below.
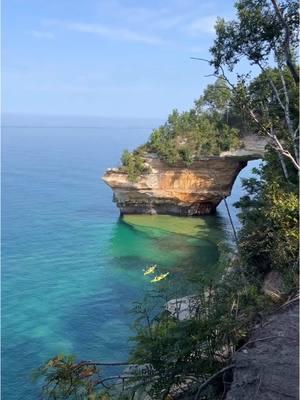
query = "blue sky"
x=114 y=58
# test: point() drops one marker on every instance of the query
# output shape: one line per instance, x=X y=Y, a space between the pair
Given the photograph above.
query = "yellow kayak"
x=150 y=270
x=159 y=277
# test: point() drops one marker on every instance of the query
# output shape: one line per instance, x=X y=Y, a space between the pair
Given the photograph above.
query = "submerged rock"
x=178 y=189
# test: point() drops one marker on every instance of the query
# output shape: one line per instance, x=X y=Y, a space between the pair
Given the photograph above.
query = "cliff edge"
x=181 y=190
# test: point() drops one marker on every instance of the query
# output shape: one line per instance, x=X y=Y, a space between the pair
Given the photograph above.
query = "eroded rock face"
x=180 y=190
x=175 y=190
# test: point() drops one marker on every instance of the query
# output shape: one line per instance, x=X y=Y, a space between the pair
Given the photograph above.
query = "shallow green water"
x=181 y=246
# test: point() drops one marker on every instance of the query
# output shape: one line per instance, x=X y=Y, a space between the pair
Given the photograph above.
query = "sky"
x=111 y=58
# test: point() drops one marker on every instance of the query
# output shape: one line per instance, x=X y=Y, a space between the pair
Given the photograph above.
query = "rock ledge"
x=181 y=190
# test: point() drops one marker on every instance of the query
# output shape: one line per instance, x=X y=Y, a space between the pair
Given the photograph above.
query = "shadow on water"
x=186 y=247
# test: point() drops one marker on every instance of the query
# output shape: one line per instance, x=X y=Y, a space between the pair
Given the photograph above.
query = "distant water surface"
x=70 y=267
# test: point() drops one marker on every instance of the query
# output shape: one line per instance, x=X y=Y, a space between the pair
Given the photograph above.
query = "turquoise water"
x=70 y=267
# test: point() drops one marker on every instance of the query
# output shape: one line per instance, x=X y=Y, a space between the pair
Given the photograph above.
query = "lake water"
x=70 y=267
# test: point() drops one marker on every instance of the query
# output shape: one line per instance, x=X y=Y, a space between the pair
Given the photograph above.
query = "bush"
x=201 y=131
x=195 y=348
x=269 y=238
x=188 y=136
x=133 y=164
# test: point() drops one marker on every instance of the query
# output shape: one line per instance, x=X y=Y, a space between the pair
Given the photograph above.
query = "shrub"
x=269 y=238
x=184 y=137
x=133 y=164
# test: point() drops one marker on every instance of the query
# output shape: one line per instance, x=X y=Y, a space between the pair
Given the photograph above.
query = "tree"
x=65 y=378
x=265 y=32
x=126 y=157
x=201 y=131
x=133 y=164
x=216 y=98
x=269 y=236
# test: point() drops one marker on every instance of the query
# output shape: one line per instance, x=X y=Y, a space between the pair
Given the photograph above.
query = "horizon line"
x=26 y=114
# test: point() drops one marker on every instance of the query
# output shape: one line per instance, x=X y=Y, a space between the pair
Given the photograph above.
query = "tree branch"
x=288 y=119
x=273 y=86
x=276 y=143
x=209 y=380
x=287 y=50
x=109 y=364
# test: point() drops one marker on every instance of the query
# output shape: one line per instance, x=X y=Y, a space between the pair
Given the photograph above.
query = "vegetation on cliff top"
x=206 y=130
x=133 y=164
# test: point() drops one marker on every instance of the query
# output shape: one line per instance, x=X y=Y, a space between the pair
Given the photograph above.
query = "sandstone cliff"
x=181 y=190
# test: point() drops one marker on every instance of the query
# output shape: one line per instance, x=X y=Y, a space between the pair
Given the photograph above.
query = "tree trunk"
x=283 y=165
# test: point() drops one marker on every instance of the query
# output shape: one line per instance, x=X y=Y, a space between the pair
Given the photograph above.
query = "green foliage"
x=64 y=379
x=133 y=164
x=261 y=92
x=195 y=348
x=264 y=33
x=186 y=154
x=216 y=98
x=266 y=106
x=187 y=136
x=269 y=238
x=257 y=34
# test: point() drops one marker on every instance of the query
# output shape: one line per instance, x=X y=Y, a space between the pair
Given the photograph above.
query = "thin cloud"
x=117 y=11
x=42 y=35
x=121 y=34
x=169 y=22
x=200 y=26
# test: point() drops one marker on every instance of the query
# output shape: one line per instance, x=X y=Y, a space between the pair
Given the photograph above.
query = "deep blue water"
x=70 y=267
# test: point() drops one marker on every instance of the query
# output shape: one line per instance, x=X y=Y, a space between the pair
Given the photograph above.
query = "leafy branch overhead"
x=266 y=34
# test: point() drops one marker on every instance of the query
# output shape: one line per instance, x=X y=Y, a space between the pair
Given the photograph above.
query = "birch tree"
x=265 y=33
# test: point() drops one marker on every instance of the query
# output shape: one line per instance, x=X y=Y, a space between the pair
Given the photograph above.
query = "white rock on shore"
x=183 y=308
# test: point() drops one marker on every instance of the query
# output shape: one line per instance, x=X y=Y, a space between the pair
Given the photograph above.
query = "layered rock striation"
x=178 y=189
